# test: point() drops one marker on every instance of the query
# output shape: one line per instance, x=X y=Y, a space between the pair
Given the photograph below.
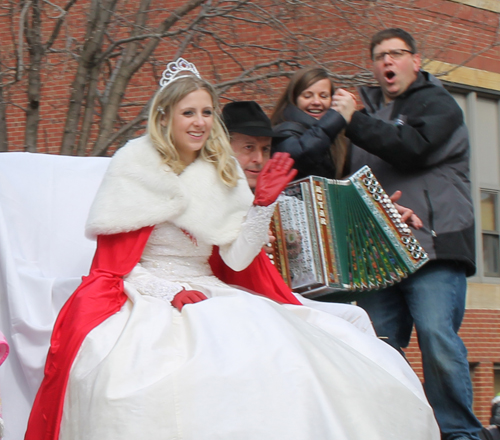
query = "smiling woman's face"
x=192 y=121
x=316 y=99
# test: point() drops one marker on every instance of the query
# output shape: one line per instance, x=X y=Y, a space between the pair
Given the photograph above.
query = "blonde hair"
x=217 y=149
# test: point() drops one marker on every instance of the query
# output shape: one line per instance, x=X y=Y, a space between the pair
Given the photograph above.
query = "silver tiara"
x=173 y=70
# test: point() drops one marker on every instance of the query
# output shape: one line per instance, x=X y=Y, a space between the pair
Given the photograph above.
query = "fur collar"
x=140 y=190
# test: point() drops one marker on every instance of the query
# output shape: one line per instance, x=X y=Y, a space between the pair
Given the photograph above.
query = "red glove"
x=187 y=297
x=273 y=179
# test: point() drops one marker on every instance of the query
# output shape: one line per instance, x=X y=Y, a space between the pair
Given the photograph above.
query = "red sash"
x=260 y=277
x=99 y=296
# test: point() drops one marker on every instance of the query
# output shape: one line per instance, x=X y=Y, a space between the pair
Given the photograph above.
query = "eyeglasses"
x=395 y=54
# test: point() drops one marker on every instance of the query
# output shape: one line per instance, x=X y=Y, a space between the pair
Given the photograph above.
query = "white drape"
x=44 y=201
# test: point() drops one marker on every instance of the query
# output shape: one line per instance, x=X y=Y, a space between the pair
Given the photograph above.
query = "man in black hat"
x=251 y=133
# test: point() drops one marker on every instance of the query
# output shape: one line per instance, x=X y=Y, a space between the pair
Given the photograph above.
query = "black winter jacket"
x=308 y=140
x=419 y=144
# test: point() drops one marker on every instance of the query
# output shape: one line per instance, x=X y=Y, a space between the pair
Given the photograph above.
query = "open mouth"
x=390 y=75
x=196 y=135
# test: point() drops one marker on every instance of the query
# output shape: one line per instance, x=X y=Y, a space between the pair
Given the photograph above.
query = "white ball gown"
x=237 y=365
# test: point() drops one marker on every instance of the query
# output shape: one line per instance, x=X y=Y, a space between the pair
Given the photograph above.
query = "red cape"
x=260 y=277
x=100 y=295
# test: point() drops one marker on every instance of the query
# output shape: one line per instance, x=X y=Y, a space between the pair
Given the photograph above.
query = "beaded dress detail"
x=172 y=260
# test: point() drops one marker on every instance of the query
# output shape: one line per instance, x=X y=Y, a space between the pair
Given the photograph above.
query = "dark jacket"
x=308 y=140
x=419 y=144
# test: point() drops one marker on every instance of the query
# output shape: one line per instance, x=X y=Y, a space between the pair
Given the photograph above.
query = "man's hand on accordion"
x=407 y=214
x=269 y=247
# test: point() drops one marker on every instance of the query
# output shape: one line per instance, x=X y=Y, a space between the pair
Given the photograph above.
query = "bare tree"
x=31 y=23
x=111 y=49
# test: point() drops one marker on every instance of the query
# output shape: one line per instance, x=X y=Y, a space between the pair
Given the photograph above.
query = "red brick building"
x=459 y=40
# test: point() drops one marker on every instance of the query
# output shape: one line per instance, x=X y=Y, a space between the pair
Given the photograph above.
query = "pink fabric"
x=4 y=348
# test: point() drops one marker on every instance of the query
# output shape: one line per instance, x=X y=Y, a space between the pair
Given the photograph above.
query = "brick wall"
x=481 y=334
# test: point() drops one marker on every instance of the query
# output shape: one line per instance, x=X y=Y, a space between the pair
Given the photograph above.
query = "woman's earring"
x=160 y=109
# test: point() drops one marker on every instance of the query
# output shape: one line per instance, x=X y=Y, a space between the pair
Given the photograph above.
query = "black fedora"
x=246 y=117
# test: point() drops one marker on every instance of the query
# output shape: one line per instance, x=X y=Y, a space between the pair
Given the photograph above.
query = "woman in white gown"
x=129 y=359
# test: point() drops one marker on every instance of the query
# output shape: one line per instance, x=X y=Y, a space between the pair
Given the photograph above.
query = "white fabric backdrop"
x=44 y=201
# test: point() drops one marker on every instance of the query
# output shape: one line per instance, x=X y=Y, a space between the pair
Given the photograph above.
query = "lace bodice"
x=176 y=254
x=173 y=259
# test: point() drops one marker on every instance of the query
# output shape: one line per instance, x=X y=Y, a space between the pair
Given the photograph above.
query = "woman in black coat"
x=311 y=128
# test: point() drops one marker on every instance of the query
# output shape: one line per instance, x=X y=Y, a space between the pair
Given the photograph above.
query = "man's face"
x=252 y=152
x=394 y=75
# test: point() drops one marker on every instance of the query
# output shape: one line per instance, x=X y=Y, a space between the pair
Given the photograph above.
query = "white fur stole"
x=140 y=190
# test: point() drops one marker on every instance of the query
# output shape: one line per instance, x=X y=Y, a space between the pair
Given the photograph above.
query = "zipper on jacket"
x=431 y=213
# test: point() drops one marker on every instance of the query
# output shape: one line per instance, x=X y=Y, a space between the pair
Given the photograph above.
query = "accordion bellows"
x=341 y=236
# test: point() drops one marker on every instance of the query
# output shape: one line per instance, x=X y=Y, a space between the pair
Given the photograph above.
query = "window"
x=496 y=380
x=489 y=226
x=482 y=115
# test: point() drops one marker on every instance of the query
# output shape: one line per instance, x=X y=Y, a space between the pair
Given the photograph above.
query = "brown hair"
x=387 y=34
x=300 y=81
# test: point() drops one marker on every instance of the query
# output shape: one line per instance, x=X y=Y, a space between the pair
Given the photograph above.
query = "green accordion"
x=341 y=236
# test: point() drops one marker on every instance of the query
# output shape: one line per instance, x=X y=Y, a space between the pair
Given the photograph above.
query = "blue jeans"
x=433 y=298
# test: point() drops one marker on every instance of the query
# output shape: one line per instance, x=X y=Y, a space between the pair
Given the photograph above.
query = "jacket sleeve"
x=99 y=296
x=420 y=141
x=308 y=146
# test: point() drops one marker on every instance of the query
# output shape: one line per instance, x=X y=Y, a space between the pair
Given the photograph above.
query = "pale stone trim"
x=483 y=296
x=488 y=5
x=464 y=75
